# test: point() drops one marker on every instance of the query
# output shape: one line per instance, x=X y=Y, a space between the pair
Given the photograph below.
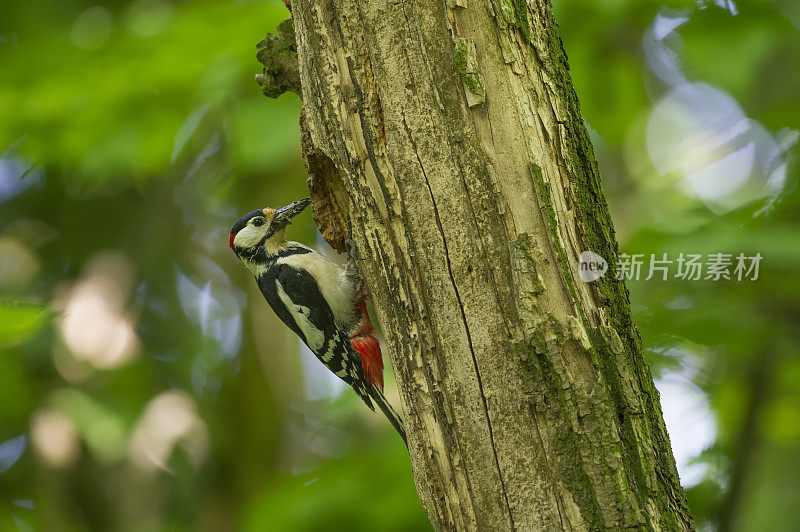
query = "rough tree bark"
x=447 y=136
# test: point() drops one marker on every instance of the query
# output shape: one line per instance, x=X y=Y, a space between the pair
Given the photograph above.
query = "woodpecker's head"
x=259 y=234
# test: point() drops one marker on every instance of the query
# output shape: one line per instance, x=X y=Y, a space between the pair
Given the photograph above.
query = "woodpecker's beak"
x=284 y=215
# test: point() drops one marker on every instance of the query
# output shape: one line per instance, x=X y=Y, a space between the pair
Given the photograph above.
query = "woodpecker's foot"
x=353 y=276
x=350 y=247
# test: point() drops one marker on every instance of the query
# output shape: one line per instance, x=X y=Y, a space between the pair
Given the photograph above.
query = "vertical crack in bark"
x=471 y=349
x=466 y=329
x=556 y=494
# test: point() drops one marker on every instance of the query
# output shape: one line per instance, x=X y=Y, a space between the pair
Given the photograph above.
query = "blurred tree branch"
x=761 y=376
x=451 y=139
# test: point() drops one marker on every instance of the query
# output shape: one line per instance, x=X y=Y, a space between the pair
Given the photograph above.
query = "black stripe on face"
x=256 y=254
x=241 y=222
x=259 y=256
x=293 y=250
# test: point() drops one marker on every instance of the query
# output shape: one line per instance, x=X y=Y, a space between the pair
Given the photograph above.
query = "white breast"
x=337 y=290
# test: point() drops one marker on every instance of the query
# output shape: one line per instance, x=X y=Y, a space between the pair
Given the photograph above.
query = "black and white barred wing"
x=297 y=300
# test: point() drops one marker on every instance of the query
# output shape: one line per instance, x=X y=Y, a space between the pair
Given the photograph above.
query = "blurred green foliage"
x=133 y=135
x=138 y=388
x=735 y=342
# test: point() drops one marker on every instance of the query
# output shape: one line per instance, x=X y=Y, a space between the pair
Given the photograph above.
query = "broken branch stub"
x=278 y=53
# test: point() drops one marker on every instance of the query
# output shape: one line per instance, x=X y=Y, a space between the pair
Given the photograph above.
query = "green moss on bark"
x=278 y=53
x=551 y=399
x=467 y=67
x=515 y=14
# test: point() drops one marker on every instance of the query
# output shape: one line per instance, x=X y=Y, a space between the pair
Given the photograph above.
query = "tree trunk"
x=449 y=135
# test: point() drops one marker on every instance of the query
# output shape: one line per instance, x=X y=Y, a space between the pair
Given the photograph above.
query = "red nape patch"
x=369 y=349
x=230 y=242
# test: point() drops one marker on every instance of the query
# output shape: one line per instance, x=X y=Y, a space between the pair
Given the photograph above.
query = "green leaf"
x=19 y=320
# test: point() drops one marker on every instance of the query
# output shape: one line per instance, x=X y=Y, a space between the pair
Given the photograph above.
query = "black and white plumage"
x=320 y=301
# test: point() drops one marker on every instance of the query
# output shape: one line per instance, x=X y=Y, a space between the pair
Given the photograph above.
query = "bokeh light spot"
x=92 y=28
x=54 y=438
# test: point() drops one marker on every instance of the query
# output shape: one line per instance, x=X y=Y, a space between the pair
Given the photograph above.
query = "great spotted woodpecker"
x=323 y=303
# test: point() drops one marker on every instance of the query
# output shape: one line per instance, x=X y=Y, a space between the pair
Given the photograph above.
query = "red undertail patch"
x=369 y=349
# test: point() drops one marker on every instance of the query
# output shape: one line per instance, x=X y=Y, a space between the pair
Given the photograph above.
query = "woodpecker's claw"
x=352 y=270
x=349 y=246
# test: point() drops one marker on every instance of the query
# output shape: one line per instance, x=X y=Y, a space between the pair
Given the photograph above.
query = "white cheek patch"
x=314 y=337
x=249 y=236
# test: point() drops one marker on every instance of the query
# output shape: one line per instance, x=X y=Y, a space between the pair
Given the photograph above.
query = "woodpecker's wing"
x=296 y=298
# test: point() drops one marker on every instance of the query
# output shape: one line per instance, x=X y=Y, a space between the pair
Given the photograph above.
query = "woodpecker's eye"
x=258 y=222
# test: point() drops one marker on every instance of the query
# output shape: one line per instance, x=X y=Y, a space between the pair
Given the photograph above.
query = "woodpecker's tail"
x=387 y=409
